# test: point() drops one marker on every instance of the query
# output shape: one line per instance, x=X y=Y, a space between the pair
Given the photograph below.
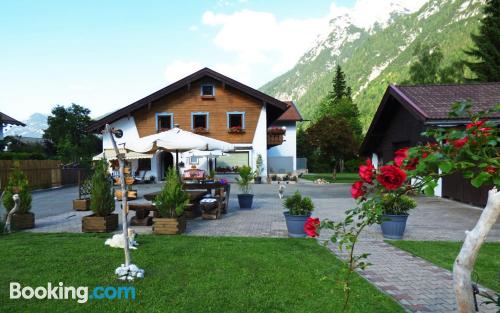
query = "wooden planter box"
x=99 y=224
x=23 y=220
x=131 y=194
x=169 y=226
x=81 y=204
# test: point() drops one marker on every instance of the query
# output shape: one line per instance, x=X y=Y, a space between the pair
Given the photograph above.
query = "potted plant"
x=259 y=169
x=394 y=214
x=170 y=204
x=299 y=209
x=245 y=198
x=22 y=218
x=102 y=203
x=83 y=201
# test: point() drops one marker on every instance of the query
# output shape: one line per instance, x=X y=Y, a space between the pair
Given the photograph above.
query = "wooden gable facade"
x=183 y=103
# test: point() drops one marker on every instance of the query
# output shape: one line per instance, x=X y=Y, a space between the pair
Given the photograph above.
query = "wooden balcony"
x=275 y=136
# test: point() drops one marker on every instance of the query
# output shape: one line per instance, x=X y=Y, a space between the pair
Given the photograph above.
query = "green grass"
x=341 y=177
x=185 y=274
x=443 y=253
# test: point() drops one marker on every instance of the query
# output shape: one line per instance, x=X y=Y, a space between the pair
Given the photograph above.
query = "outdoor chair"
x=210 y=208
x=140 y=179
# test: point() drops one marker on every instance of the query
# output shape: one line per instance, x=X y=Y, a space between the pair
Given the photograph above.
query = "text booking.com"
x=81 y=294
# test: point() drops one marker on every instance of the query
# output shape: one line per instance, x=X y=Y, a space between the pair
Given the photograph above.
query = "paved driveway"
x=433 y=219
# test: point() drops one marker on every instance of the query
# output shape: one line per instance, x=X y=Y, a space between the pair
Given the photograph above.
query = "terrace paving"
x=418 y=285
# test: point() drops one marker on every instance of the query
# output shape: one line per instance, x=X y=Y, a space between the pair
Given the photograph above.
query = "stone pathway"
x=418 y=285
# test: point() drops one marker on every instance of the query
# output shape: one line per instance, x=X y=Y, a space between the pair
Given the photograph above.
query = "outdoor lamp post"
x=127 y=271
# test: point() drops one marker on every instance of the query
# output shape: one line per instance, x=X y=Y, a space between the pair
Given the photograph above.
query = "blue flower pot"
x=393 y=226
x=295 y=224
x=245 y=201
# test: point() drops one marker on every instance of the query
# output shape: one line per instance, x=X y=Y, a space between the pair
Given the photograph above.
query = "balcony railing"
x=275 y=136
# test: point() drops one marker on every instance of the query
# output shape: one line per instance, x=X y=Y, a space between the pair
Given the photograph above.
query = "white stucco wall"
x=259 y=143
x=130 y=133
x=375 y=160
x=289 y=146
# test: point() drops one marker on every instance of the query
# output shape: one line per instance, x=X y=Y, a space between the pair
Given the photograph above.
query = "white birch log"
x=121 y=161
x=464 y=263
x=17 y=205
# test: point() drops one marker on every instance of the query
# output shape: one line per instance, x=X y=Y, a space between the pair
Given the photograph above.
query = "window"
x=144 y=165
x=164 y=121
x=199 y=120
x=230 y=162
x=207 y=90
x=236 y=120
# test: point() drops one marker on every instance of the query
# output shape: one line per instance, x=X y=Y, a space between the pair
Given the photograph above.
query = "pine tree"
x=487 y=45
x=339 y=86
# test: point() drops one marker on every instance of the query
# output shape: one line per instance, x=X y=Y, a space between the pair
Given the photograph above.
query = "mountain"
x=35 y=127
x=374 y=56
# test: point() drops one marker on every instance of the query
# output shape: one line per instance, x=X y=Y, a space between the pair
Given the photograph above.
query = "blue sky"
x=107 y=54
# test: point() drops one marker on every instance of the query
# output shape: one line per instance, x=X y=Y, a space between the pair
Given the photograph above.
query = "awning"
x=111 y=155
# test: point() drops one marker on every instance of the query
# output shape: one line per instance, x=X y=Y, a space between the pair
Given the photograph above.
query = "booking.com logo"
x=61 y=292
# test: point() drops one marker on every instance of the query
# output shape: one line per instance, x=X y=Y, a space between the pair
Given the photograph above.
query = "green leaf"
x=446 y=166
x=480 y=179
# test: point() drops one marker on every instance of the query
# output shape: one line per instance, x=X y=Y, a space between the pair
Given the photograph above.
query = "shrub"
x=246 y=176
x=17 y=180
x=172 y=200
x=102 y=201
x=397 y=205
x=351 y=166
x=298 y=205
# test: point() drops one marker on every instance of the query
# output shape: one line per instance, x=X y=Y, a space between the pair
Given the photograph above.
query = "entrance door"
x=167 y=161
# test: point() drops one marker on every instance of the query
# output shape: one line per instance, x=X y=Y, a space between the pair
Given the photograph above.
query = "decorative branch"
x=464 y=263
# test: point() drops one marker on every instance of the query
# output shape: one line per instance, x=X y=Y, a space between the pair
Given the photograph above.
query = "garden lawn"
x=185 y=274
x=341 y=177
x=443 y=253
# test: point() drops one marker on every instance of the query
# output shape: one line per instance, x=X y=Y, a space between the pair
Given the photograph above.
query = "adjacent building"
x=407 y=111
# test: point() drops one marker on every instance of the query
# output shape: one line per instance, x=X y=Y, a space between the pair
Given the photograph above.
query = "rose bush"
x=471 y=150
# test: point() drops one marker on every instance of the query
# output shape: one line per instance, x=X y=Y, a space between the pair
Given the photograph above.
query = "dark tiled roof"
x=434 y=101
x=204 y=72
x=291 y=113
x=5 y=119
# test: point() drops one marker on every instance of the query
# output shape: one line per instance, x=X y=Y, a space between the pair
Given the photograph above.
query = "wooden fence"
x=41 y=173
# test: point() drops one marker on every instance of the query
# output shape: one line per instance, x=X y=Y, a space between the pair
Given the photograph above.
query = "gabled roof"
x=205 y=72
x=432 y=103
x=5 y=119
x=291 y=114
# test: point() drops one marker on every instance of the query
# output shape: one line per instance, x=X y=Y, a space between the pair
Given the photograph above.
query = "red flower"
x=475 y=124
x=400 y=156
x=366 y=171
x=311 y=227
x=391 y=177
x=357 y=190
x=491 y=170
x=459 y=143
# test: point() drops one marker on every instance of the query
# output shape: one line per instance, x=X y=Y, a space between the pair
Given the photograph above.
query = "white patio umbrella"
x=177 y=140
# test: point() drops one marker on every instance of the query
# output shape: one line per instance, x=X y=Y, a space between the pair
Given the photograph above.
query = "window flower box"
x=236 y=130
x=200 y=130
x=276 y=131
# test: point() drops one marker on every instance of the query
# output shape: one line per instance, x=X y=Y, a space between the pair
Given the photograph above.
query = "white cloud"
x=179 y=69
x=260 y=38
